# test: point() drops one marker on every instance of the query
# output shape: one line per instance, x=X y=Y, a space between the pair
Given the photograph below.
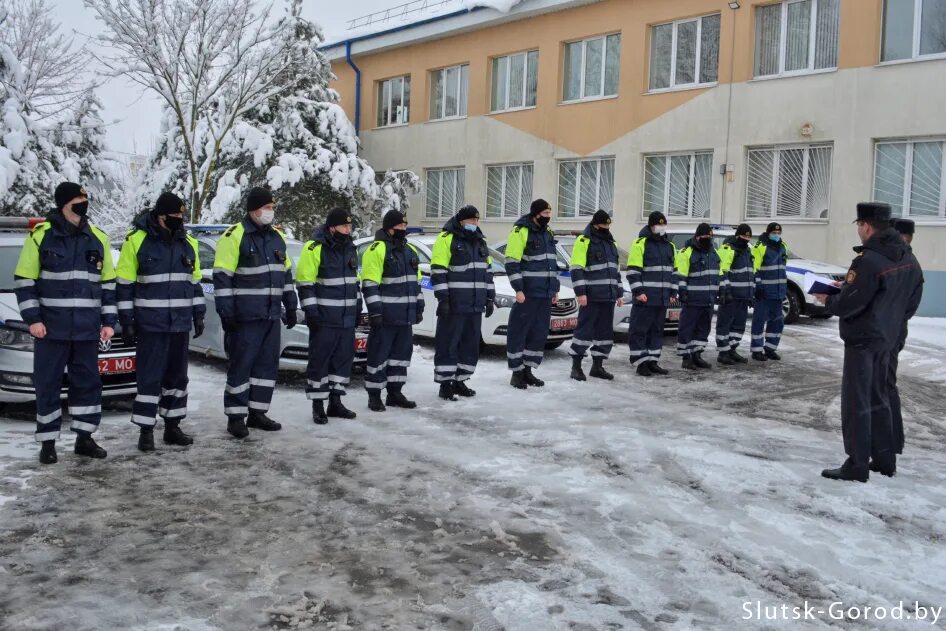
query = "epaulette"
x=517 y=229
x=312 y=245
x=582 y=238
x=374 y=245
x=230 y=230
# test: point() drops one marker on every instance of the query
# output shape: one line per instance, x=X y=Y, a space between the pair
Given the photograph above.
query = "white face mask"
x=266 y=217
x=660 y=230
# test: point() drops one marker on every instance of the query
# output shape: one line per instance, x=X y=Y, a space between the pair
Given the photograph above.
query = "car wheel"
x=791 y=306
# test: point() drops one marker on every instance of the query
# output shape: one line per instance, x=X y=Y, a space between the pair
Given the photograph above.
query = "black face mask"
x=543 y=221
x=341 y=239
x=740 y=243
x=705 y=244
x=173 y=224
x=400 y=235
x=81 y=208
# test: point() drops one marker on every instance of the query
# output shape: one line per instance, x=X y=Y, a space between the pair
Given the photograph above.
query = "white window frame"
x=576 y=214
x=441 y=211
x=525 y=81
x=405 y=79
x=691 y=181
x=908 y=177
x=502 y=204
x=915 y=50
x=604 y=68
x=673 y=56
x=773 y=208
x=443 y=104
x=783 y=43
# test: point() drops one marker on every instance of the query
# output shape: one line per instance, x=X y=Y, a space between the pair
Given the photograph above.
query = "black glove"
x=375 y=319
x=128 y=334
x=420 y=317
x=682 y=296
x=490 y=307
x=312 y=322
x=443 y=308
x=229 y=324
x=198 y=327
x=725 y=296
x=759 y=292
x=290 y=319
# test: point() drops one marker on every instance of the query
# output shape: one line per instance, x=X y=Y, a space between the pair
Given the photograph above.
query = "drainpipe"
x=357 y=87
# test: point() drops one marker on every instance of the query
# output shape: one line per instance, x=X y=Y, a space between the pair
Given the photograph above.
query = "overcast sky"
x=133 y=116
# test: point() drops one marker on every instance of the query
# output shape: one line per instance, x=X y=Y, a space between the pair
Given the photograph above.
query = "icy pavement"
x=658 y=504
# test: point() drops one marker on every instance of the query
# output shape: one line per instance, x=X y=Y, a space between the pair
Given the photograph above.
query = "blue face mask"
x=469 y=227
x=775 y=237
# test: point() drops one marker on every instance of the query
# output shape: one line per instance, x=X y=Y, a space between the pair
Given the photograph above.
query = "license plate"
x=567 y=323
x=361 y=343
x=116 y=365
x=673 y=316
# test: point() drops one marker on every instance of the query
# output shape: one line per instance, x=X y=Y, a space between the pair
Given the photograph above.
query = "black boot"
x=847 y=472
x=699 y=362
x=447 y=392
x=375 y=404
x=259 y=420
x=174 y=436
x=656 y=369
x=517 y=381
x=726 y=359
x=85 y=446
x=337 y=409
x=463 y=390
x=397 y=399
x=888 y=470
x=771 y=354
x=739 y=359
x=236 y=427
x=759 y=357
x=47 y=453
x=687 y=363
x=643 y=369
x=597 y=369
x=318 y=413
x=577 y=373
x=531 y=379
x=146 y=439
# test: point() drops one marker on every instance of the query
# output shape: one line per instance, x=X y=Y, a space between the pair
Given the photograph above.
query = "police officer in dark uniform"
x=596 y=280
x=650 y=273
x=390 y=272
x=463 y=285
x=533 y=273
x=882 y=285
x=65 y=287
x=906 y=228
x=770 y=258
x=252 y=285
x=736 y=295
x=328 y=288
x=159 y=300
x=699 y=277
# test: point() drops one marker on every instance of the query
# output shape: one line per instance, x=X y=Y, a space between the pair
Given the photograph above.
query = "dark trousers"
x=254 y=365
x=50 y=360
x=731 y=324
x=893 y=396
x=646 y=333
x=331 y=354
x=767 y=324
x=457 y=346
x=595 y=331
x=389 y=354
x=865 y=410
x=695 y=325
x=527 y=333
x=161 y=363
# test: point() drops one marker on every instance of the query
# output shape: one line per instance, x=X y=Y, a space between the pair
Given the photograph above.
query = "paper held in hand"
x=815 y=284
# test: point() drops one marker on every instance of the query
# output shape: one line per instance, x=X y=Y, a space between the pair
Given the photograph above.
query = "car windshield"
x=9 y=254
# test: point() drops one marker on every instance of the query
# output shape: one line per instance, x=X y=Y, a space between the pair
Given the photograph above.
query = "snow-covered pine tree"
x=80 y=141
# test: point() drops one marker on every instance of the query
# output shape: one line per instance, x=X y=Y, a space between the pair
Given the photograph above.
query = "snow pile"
x=503 y=6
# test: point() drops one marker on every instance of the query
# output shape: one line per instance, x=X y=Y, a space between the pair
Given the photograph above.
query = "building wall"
x=850 y=108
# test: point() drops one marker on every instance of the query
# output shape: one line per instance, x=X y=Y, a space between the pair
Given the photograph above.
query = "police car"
x=564 y=314
x=797 y=303
x=294 y=351
x=116 y=359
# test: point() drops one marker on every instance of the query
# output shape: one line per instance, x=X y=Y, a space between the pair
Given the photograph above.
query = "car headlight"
x=505 y=301
x=15 y=339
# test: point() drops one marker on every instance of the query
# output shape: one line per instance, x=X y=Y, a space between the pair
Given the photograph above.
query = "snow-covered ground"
x=638 y=504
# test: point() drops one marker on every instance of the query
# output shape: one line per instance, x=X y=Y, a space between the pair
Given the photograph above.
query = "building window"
x=913 y=29
x=445 y=191
x=508 y=189
x=448 y=92
x=678 y=184
x=592 y=68
x=585 y=186
x=394 y=101
x=791 y=182
x=910 y=176
x=684 y=53
x=515 y=81
x=795 y=37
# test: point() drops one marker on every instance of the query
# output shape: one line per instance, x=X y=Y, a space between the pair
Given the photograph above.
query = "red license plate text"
x=116 y=365
x=568 y=323
x=361 y=343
